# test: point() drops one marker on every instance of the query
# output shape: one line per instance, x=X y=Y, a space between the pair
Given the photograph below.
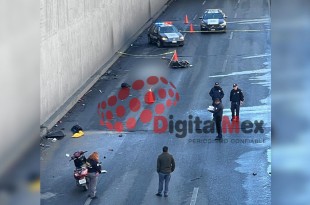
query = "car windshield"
x=213 y=16
x=168 y=29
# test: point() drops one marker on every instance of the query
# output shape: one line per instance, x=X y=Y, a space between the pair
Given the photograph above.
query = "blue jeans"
x=163 y=177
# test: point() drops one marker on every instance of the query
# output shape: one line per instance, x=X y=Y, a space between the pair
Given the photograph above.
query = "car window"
x=213 y=16
x=168 y=29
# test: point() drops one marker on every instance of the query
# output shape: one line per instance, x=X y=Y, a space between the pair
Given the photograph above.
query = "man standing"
x=218 y=114
x=236 y=98
x=165 y=166
x=216 y=92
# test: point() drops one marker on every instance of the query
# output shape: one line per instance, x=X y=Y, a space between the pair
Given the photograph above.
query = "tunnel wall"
x=78 y=37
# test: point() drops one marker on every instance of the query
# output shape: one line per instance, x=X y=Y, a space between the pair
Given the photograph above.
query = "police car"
x=165 y=34
x=213 y=20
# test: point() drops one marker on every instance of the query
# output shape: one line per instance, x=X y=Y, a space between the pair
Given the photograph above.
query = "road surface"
x=233 y=172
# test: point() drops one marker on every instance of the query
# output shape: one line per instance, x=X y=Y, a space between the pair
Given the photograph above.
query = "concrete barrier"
x=79 y=40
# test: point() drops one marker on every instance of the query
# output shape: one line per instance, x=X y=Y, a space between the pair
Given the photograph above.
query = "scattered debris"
x=77 y=131
x=56 y=125
x=125 y=85
x=111 y=150
x=58 y=135
x=254 y=174
x=196 y=178
x=44 y=145
x=120 y=135
x=104 y=157
x=83 y=104
x=54 y=140
x=100 y=91
x=269 y=173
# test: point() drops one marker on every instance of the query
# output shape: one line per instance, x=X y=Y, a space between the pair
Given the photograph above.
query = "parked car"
x=165 y=34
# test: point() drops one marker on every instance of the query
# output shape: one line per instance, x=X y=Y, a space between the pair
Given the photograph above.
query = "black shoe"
x=159 y=194
x=218 y=138
x=166 y=195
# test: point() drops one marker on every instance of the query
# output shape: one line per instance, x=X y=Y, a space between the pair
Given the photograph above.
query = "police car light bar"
x=164 y=23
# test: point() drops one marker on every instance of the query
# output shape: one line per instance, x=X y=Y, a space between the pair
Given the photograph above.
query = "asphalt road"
x=207 y=172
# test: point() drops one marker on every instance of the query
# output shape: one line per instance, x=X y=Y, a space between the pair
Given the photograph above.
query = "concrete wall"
x=78 y=37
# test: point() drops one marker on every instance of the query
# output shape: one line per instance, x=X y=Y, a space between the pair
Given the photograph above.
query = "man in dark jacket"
x=236 y=99
x=216 y=92
x=218 y=115
x=165 y=166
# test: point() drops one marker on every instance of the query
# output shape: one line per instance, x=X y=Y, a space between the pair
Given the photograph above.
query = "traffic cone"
x=186 y=19
x=175 y=56
x=191 y=28
x=149 y=97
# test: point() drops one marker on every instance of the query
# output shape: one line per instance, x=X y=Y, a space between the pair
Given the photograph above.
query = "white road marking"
x=256 y=56
x=264 y=20
x=195 y=17
x=194 y=196
x=264 y=70
x=231 y=35
x=236 y=14
x=224 y=65
x=87 y=202
x=203 y=3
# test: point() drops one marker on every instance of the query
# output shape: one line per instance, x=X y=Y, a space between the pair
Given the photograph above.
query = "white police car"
x=213 y=20
x=165 y=34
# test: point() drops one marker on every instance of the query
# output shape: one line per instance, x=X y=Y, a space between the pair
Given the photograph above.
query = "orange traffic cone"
x=191 y=28
x=149 y=97
x=186 y=19
x=175 y=56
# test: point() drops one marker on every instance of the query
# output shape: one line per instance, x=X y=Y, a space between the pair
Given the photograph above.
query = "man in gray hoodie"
x=165 y=166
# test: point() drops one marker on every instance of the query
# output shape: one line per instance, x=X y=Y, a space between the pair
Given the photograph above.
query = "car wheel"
x=159 y=44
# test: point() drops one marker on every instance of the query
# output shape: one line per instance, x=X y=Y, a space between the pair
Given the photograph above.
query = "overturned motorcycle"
x=180 y=64
x=81 y=168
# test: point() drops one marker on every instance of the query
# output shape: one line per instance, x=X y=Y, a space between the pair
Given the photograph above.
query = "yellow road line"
x=136 y=55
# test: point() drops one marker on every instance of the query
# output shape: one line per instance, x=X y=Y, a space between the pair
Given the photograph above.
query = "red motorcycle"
x=81 y=171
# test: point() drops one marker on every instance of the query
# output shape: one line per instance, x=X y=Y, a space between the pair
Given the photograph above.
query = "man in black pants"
x=236 y=98
x=216 y=92
x=218 y=114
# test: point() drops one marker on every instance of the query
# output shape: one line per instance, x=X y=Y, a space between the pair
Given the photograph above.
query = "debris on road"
x=120 y=135
x=254 y=174
x=125 y=85
x=111 y=150
x=196 y=178
x=58 y=135
x=54 y=140
x=77 y=131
